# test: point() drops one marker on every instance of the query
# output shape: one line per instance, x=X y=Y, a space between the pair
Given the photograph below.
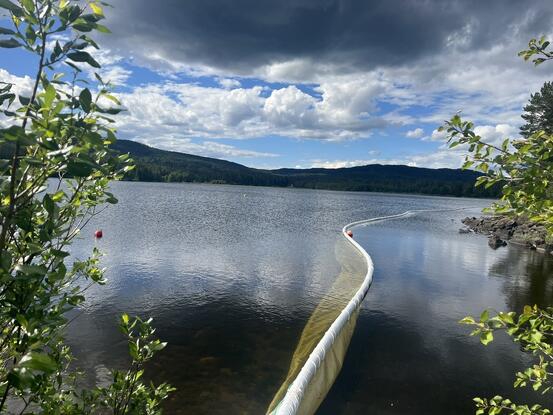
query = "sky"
x=315 y=83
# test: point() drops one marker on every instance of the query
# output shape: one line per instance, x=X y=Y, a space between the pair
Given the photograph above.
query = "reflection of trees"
x=530 y=277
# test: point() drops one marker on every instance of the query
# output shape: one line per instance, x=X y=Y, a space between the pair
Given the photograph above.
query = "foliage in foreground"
x=524 y=168
x=533 y=330
x=53 y=180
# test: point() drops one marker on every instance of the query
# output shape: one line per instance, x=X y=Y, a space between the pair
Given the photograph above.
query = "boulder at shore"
x=518 y=230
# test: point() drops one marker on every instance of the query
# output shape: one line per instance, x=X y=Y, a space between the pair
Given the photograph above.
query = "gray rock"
x=495 y=242
x=506 y=228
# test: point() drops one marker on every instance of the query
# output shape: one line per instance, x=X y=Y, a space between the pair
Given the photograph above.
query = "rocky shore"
x=501 y=229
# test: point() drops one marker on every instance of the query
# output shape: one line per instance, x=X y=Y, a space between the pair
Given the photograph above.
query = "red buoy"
x=98 y=233
x=349 y=233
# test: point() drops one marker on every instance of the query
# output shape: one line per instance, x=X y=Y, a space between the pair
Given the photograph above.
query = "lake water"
x=232 y=274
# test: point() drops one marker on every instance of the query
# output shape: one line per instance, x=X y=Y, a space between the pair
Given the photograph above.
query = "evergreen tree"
x=538 y=113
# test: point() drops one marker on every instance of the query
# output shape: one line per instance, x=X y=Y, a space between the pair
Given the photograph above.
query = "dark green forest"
x=155 y=165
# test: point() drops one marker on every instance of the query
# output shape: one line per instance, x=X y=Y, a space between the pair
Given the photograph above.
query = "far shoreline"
x=295 y=188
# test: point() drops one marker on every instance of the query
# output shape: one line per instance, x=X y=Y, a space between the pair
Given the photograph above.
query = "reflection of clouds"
x=169 y=241
x=430 y=276
x=234 y=272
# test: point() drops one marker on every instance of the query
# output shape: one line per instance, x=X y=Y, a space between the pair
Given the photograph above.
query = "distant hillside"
x=155 y=165
x=168 y=166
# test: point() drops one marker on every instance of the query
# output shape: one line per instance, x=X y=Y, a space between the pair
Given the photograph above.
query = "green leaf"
x=85 y=98
x=4 y=31
x=49 y=95
x=24 y=100
x=82 y=25
x=31 y=270
x=9 y=43
x=57 y=51
x=111 y=199
x=7 y=97
x=89 y=41
x=16 y=134
x=29 y=5
x=97 y=9
x=79 y=169
x=112 y=99
x=5 y=260
x=82 y=56
x=484 y=316
x=48 y=204
x=507 y=317
x=102 y=28
x=486 y=337
x=76 y=300
x=38 y=361
x=467 y=320
x=75 y=67
x=111 y=111
x=6 y=4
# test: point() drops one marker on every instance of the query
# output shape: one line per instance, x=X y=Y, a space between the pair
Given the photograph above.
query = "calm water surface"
x=231 y=275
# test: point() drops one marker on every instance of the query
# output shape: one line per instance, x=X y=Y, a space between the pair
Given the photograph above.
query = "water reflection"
x=231 y=276
x=527 y=277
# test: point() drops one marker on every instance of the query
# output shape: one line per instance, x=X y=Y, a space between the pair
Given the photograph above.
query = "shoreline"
x=501 y=229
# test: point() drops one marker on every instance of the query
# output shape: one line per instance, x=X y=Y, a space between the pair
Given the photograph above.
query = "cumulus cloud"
x=416 y=133
x=190 y=110
x=443 y=158
x=115 y=74
x=437 y=135
x=290 y=107
x=496 y=134
x=229 y=83
x=21 y=85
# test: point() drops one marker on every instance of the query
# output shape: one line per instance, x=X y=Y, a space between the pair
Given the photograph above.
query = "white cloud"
x=437 y=135
x=21 y=85
x=111 y=69
x=338 y=164
x=416 y=133
x=496 y=134
x=343 y=111
x=205 y=148
x=229 y=83
x=443 y=158
x=440 y=158
x=115 y=74
x=290 y=107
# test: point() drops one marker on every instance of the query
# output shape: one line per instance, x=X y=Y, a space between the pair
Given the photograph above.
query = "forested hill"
x=168 y=166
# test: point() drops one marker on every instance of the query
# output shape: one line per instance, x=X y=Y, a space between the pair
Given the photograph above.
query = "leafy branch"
x=55 y=170
x=524 y=169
